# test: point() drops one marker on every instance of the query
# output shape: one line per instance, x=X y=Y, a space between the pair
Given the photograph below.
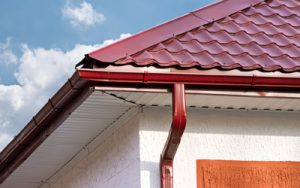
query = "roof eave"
x=52 y=114
x=78 y=88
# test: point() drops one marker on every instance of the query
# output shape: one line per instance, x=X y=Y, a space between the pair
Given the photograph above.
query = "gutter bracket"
x=253 y=81
x=145 y=77
x=174 y=137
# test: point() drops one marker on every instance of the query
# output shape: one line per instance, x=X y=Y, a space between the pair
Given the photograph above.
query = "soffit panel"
x=93 y=116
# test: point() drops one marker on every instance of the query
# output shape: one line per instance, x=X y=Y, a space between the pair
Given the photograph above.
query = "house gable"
x=253 y=35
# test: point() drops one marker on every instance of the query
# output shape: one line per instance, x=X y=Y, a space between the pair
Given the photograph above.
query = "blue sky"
x=42 y=40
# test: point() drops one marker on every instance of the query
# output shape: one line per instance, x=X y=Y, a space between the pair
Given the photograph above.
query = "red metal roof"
x=248 y=34
x=252 y=27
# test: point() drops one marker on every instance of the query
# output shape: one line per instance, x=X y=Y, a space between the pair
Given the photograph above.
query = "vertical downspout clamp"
x=174 y=137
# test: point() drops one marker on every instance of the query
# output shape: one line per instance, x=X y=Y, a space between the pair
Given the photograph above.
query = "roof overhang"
x=83 y=129
x=81 y=86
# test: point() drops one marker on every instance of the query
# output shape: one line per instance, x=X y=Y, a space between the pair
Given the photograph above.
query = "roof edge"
x=56 y=110
x=152 y=36
x=212 y=12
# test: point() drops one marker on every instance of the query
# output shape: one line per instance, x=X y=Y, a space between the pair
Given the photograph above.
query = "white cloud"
x=6 y=54
x=40 y=73
x=4 y=138
x=84 y=15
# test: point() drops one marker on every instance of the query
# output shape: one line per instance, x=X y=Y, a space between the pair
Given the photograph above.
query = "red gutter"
x=266 y=83
x=175 y=134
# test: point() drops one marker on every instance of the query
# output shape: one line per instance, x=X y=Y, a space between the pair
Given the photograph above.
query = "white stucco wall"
x=216 y=134
x=115 y=163
x=129 y=158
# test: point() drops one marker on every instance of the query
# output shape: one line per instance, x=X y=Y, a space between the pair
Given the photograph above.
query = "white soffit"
x=287 y=102
x=95 y=115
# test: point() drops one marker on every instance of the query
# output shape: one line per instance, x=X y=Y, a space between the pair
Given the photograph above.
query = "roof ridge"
x=154 y=35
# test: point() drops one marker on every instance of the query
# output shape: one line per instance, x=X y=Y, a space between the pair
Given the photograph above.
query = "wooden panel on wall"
x=247 y=174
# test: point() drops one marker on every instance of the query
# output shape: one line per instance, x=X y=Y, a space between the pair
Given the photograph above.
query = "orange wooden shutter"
x=247 y=174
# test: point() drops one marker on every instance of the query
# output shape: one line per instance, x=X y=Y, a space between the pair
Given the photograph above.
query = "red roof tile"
x=247 y=34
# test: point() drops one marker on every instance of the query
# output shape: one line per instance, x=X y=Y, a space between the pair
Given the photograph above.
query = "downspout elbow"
x=174 y=137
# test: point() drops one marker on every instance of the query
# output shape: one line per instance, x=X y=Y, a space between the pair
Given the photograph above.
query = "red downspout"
x=174 y=137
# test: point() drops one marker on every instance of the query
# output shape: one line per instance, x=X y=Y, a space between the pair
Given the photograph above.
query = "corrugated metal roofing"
x=265 y=36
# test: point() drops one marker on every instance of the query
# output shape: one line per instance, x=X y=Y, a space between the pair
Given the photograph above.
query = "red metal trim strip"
x=191 y=79
x=212 y=12
x=174 y=137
